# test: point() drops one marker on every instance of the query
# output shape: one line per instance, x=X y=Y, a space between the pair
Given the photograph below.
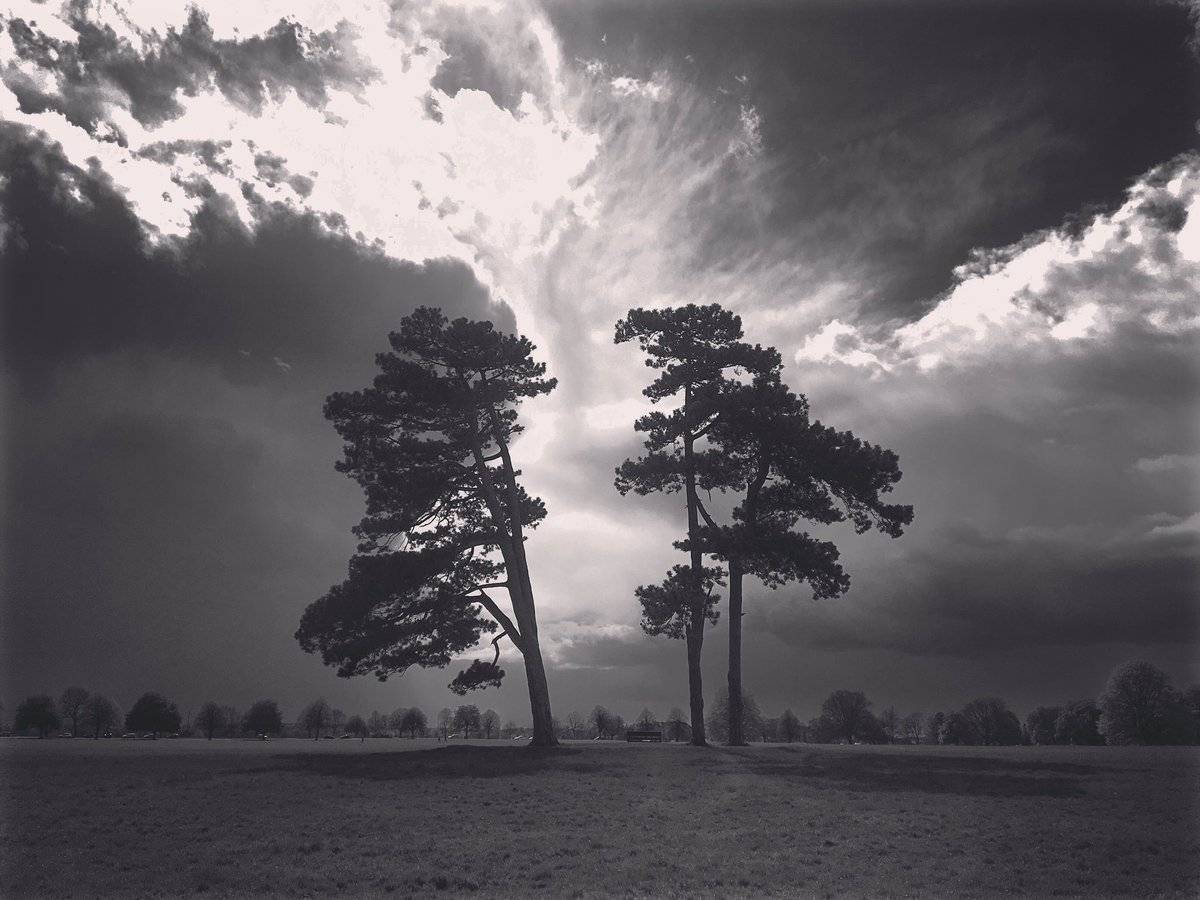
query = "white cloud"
x=1127 y=267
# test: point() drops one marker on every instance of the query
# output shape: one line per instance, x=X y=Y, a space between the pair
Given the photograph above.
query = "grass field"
x=399 y=818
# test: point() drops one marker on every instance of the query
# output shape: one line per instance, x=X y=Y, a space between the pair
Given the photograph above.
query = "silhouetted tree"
x=357 y=726
x=71 y=705
x=574 y=724
x=846 y=716
x=911 y=728
x=718 y=718
x=36 y=712
x=263 y=718
x=467 y=719
x=1138 y=706
x=789 y=726
x=789 y=470
x=210 y=719
x=677 y=724
x=490 y=723
x=315 y=718
x=697 y=350
x=1078 y=723
x=956 y=729
x=1039 y=724
x=933 y=728
x=618 y=725
x=646 y=721
x=377 y=724
x=424 y=442
x=991 y=723
x=98 y=715
x=889 y=721
x=444 y=720
x=602 y=721
x=413 y=722
x=154 y=713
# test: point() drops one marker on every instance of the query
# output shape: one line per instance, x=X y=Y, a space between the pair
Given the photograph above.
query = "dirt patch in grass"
x=389 y=818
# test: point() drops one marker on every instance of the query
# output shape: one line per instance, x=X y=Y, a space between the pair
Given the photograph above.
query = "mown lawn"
x=400 y=818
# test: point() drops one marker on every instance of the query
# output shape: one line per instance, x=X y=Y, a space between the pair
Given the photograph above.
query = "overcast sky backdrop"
x=972 y=229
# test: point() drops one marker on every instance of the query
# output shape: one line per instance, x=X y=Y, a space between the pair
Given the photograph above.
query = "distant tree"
x=357 y=726
x=377 y=724
x=677 y=724
x=444 y=721
x=575 y=724
x=618 y=725
x=71 y=705
x=933 y=728
x=446 y=519
x=153 y=713
x=210 y=719
x=910 y=727
x=1040 y=723
x=992 y=723
x=846 y=716
x=98 y=714
x=36 y=712
x=789 y=727
x=490 y=723
x=1078 y=723
x=718 y=718
x=413 y=722
x=602 y=721
x=768 y=729
x=957 y=729
x=1138 y=705
x=337 y=721
x=511 y=729
x=233 y=721
x=1191 y=707
x=646 y=721
x=396 y=719
x=315 y=718
x=889 y=721
x=467 y=719
x=263 y=718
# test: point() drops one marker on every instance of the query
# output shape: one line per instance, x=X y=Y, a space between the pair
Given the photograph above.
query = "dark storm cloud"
x=900 y=135
x=171 y=504
x=184 y=61
x=973 y=595
x=81 y=278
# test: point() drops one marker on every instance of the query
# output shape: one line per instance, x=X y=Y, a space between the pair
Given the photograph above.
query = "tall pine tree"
x=697 y=351
x=446 y=516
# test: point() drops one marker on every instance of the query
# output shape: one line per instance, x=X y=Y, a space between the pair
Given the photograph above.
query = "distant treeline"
x=1138 y=705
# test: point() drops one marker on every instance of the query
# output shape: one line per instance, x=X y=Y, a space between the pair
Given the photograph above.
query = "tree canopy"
x=153 y=713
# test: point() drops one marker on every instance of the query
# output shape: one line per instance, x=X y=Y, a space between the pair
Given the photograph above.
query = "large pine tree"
x=446 y=516
x=697 y=351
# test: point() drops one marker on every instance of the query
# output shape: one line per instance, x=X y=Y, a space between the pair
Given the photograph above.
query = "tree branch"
x=501 y=617
x=704 y=514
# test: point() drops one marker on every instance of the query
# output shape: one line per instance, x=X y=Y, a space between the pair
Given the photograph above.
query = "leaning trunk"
x=736 y=715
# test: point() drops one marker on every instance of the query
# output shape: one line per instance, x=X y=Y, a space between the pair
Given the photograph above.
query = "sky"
x=971 y=229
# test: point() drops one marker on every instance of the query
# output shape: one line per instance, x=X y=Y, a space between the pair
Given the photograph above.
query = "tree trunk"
x=695 y=643
x=736 y=736
x=695 y=628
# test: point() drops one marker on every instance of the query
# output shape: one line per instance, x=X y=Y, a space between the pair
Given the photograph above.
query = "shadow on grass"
x=442 y=762
x=968 y=775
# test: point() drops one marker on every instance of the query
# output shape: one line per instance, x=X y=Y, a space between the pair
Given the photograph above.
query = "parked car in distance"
x=129 y=735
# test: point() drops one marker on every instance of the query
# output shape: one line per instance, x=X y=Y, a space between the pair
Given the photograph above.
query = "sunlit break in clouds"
x=972 y=231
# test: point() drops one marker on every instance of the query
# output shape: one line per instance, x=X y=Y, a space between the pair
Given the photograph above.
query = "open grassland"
x=399 y=818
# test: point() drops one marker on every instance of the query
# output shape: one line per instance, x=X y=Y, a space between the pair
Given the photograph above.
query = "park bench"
x=638 y=736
